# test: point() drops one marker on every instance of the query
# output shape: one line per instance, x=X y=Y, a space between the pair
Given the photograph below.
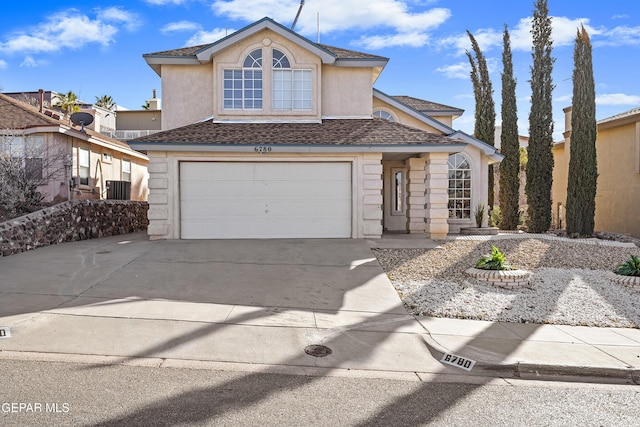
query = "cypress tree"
x=485 y=113
x=509 y=144
x=583 y=168
x=540 y=165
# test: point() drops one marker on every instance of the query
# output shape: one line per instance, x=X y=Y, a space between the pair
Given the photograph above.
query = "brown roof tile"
x=15 y=114
x=423 y=105
x=338 y=52
x=330 y=132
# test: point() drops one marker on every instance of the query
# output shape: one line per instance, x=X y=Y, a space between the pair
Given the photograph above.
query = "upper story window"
x=243 y=87
x=292 y=89
x=459 y=187
x=383 y=115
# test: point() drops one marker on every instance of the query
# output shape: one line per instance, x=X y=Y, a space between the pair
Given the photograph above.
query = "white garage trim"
x=265 y=199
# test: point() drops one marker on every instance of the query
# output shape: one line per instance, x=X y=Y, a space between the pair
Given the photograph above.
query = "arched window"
x=459 y=187
x=292 y=89
x=243 y=87
x=383 y=115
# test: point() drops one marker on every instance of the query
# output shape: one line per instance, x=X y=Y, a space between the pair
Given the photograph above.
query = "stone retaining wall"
x=72 y=221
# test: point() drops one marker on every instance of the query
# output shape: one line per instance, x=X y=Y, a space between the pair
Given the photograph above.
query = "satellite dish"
x=83 y=119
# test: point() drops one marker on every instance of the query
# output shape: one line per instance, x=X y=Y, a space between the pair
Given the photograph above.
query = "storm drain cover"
x=317 y=350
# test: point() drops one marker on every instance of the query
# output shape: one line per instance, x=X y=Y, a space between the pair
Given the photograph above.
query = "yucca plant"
x=630 y=267
x=495 y=261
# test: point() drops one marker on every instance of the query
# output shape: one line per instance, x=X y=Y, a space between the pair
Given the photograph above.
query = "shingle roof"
x=15 y=114
x=338 y=52
x=330 y=132
x=184 y=51
x=425 y=106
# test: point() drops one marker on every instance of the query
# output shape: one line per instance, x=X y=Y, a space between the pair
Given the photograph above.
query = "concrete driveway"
x=239 y=301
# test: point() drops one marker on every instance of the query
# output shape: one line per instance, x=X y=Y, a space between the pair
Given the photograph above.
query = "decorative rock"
x=71 y=221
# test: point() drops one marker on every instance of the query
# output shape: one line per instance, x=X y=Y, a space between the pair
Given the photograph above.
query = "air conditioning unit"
x=118 y=190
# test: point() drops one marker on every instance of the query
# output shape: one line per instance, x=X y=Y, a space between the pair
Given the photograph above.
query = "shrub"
x=630 y=267
x=495 y=261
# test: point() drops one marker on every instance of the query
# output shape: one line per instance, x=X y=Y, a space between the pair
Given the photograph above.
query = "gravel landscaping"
x=568 y=286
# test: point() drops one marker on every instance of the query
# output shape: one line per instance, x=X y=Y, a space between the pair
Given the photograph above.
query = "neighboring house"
x=618 y=187
x=79 y=163
x=267 y=134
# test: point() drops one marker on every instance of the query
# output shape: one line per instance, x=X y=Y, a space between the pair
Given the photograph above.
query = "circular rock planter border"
x=632 y=282
x=508 y=279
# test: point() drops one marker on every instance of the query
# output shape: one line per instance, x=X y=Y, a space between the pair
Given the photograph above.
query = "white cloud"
x=617 y=99
x=563 y=34
x=620 y=36
x=391 y=22
x=31 y=62
x=460 y=70
x=3 y=64
x=406 y=39
x=67 y=30
x=174 y=27
x=205 y=37
x=119 y=15
x=620 y=16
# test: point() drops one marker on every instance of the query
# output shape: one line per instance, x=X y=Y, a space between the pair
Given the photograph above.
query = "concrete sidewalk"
x=258 y=305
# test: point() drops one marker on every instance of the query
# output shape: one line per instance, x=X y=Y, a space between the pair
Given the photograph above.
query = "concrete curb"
x=536 y=371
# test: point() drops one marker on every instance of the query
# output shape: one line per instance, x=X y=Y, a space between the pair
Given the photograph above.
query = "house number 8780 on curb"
x=262 y=149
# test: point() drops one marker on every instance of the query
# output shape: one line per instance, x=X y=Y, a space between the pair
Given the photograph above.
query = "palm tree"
x=68 y=103
x=105 y=101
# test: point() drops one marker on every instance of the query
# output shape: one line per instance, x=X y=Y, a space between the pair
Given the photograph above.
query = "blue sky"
x=95 y=48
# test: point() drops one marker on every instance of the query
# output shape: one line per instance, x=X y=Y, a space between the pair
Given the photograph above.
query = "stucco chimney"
x=40 y=99
x=154 y=102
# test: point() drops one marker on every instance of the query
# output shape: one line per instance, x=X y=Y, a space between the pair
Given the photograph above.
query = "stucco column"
x=415 y=195
x=436 y=197
x=158 y=197
x=371 y=196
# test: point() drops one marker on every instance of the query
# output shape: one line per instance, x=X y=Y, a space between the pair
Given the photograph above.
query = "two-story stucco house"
x=267 y=134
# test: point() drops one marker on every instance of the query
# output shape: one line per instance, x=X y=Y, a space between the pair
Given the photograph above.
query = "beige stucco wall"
x=187 y=94
x=406 y=119
x=618 y=188
x=346 y=92
x=164 y=185
x=139 y=120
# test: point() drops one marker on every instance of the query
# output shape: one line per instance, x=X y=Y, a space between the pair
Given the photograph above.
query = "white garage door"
x=228 y=200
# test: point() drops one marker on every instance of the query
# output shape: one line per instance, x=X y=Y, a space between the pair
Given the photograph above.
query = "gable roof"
x=202 y=53
x=487 y=149
x=370 y=135
x=429 y=107
x=18 y=115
